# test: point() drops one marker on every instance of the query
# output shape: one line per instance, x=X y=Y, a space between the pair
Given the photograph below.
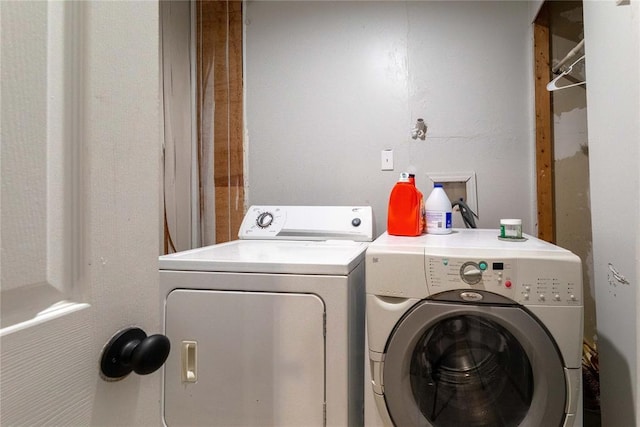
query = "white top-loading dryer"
x=467 y=329
x=269 y=329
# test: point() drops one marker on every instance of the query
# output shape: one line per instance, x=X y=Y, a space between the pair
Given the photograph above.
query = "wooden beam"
x=220 y=53
x=544 y=135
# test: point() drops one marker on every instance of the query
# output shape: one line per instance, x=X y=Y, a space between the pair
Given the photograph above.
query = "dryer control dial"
x=471 y=273
x=264 y=219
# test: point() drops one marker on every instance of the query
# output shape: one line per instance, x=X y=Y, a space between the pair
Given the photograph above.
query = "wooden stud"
x=544 y=135
x=220 y=53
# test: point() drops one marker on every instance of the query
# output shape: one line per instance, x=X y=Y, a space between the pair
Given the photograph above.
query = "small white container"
x=511 y=228
x=438 y=211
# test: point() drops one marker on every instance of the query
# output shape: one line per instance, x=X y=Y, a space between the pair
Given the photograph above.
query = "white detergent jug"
x=438 y=211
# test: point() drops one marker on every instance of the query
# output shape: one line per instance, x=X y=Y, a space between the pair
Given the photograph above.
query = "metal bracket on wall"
x=420 y=130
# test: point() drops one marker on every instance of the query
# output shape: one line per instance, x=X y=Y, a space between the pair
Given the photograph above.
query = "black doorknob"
x=132 y=350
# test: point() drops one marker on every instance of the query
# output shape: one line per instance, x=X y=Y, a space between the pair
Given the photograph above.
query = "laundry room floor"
x=591 y=419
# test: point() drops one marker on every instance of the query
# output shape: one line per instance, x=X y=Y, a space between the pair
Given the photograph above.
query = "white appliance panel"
x=264 y=256
x=544 y=278
x=308 y=223
x=260 y=359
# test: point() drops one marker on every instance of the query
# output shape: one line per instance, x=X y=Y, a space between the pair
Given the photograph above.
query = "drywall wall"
x=329 y=85
x=612 y=44
x=571 y=151
x=534 y=9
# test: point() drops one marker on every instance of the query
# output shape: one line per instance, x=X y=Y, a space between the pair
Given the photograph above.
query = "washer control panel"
x=527 y=281
x=308 y=223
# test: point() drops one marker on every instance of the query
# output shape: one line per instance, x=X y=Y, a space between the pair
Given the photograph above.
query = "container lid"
x=437 y=185
x=510 y=222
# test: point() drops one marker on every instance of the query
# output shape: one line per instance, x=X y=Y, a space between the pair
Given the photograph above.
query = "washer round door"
x=490 y=363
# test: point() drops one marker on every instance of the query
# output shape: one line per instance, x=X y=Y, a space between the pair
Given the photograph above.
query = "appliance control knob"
x=556 y=297
x=470 y=273
x=264 y=219
x=541 y=296
x=526 y=297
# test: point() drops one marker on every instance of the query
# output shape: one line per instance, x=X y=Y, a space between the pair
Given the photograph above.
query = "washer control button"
x=356 y=222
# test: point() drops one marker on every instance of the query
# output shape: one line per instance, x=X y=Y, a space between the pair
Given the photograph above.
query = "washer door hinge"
x=324 y=413
x=324 y=324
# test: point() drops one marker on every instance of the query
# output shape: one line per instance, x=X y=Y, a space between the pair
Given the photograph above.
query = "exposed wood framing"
x=219 y=50
x=544 y=135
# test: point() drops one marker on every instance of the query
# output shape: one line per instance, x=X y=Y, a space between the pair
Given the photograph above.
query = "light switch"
x=387 y=160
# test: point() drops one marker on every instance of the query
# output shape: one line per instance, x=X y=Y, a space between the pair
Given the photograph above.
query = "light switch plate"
x=387 y=160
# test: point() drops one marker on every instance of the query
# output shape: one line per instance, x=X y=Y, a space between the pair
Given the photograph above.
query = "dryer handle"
x=132 y=350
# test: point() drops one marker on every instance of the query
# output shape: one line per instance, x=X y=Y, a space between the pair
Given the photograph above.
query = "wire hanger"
x=553 y=84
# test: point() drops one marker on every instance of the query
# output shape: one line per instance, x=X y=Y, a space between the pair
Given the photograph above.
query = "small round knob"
x=132 y=350
x=264 y=219
x=470 y=273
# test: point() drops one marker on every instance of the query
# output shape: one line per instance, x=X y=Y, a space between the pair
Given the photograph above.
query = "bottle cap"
x=437 y=185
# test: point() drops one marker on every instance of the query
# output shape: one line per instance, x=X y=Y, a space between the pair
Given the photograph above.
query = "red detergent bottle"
x=405 y=213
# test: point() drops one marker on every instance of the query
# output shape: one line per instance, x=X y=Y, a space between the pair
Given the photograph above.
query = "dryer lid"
x=265 y=256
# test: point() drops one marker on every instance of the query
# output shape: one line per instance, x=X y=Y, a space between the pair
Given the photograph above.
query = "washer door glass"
x=460 y=364
x=470 y=371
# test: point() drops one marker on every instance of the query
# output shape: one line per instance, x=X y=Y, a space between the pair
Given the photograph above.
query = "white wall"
x=331 y=84
x=612 y=42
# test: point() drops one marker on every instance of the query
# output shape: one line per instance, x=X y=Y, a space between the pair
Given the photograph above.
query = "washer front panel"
x=457 y=363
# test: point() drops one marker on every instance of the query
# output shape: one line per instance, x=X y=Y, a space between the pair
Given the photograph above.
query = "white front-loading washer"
x=469 y=330
x=268 y=330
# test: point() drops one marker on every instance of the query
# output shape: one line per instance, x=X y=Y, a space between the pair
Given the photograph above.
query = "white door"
x=79 y=207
